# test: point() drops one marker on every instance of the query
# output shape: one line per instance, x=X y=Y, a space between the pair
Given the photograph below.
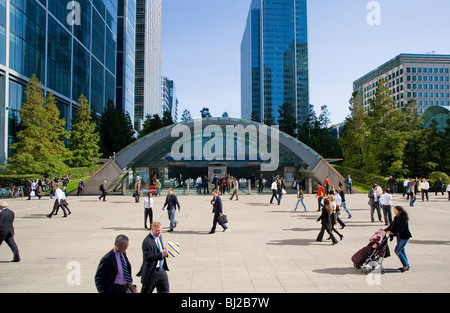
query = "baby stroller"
x=370 y=257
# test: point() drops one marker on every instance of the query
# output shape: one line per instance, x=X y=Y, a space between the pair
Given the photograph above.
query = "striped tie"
x=125 y=270
x=158 y=242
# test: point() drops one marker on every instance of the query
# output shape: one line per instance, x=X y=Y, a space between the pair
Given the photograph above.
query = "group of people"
x=278 y=188
x=331 y=208
x=412 y=188
x=114 y=272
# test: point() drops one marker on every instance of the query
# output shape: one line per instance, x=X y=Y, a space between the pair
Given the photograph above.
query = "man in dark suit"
x=114 y=270
x=154 y=265
x=7 y=229
x=217 y=210
x=102 y=189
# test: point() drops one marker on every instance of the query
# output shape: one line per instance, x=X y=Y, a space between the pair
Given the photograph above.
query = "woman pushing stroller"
x=400 y=228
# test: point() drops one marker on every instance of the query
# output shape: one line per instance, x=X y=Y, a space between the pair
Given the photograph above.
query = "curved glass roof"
x=155 y=149
x=438 y=114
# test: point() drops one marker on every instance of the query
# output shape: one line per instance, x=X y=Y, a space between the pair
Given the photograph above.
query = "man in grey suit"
x=374 y=203
x=154 y=265
x=7 y=230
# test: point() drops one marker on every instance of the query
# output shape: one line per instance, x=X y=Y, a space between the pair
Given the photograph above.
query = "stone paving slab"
x=267 y=248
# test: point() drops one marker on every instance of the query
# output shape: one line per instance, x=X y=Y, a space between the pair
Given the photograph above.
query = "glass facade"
x=126 y=25
x=43 y=37
x=148 y=60
x=274 y=60
x=423 y=77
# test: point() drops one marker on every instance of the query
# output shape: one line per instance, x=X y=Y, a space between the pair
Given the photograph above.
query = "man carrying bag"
x=218 y=213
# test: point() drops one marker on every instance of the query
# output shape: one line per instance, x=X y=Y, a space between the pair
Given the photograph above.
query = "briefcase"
x=222 y=219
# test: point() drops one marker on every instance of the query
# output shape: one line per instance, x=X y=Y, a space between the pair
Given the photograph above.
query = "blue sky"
x=201 y=47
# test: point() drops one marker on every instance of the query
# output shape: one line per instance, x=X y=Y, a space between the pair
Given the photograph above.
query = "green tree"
x=167 y=119
x=287 y=119
x=40 y=145
x=186 y=116
x=84 y=140
x=205 y=112
x=151 y=124
x=385 y=144
x=116 y=130
x=352 y=139
x=56 y=135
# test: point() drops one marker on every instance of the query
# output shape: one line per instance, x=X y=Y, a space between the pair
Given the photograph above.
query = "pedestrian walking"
x=59 y=202
x=320 y=195
x=102 y=189
x=327 y=185
x=154 y=264
x=412 y=193
x=80 y=187
x=217 y=210
x=348 y=184
x=439 y=186
x=273 y=187
x=400 y=229
x=374 y=203
x=137 y=191
x=300 y=197
x=338 y=201
x=334 y=215
x=235 y=189
x=205 y=185
x=113 y=273
x=172 y=203
x=260 y=183
x=279 y=191
x=34 y=190
x=344 y=202
x=325 y=218
x=158 y=187
x=448 y=191
x=148 y=209
x=7 y=230
x=386 y=199
x=424 y=187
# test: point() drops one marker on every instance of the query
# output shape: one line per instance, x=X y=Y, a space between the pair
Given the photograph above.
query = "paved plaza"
x=267 y=248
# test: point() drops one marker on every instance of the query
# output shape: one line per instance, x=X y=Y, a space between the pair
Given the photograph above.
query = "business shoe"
x=15 y=260
x=211 y=232
x=49 y=216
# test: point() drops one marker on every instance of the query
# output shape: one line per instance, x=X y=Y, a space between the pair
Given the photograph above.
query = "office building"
x=148 y=60
x=274 y=60
x=126 y=25
x=169 y=101
x=423 y=77
x=71 y=50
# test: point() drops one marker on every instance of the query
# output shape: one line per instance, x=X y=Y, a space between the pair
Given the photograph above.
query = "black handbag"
x=222 y=219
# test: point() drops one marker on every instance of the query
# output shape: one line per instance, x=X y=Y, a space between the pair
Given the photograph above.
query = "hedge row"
x=24 y=180
x=370 y=179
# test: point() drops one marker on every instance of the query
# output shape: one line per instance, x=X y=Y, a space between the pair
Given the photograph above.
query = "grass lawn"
x=361 y=187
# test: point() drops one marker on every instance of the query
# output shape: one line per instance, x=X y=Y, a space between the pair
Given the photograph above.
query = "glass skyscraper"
x=70 y=49
x=274 y=60
x=148 y=60
x=126 y=26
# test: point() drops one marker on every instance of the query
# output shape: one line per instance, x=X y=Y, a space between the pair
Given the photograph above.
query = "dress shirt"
x=120 y=278
x=148 y=203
